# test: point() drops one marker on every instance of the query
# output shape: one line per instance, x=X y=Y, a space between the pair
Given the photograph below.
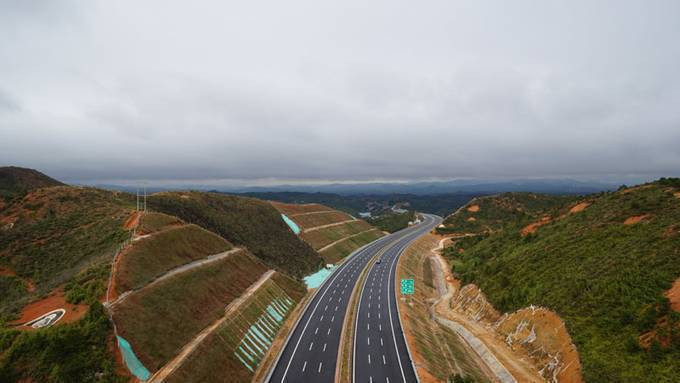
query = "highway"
x=311 y=352
x=380 y=351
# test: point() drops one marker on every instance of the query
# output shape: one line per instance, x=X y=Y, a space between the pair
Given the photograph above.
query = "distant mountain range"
x=550 y=186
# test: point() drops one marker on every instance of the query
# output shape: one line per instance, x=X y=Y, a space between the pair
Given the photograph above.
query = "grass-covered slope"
x=160 y=319
x=234 y=345
x=51 y=234
x=151 y=257
x=246 y=222
x=16 y=182
x=486 y=214
x=603 y=269
x=332 y=233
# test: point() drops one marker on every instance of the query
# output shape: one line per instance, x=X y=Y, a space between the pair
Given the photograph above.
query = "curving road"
x=380 y=350
x=311 y=352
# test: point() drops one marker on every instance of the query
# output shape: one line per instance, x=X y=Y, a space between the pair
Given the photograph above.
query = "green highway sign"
x=407 y=287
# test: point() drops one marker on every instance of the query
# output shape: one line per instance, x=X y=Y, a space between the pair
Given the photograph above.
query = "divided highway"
x=380 y=350
x=311 y=352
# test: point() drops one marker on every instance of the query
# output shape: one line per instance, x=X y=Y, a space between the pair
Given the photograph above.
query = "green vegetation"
x=440 y=204
x=216 y=353
x=604 y=278
x=322 y=237
x=343 y=248
x=311 y=220
x=149 y=258
x=245 y=222
x=392 y=222
x=442 y=352
x=153 y=222
x=15 y=182
x=495 y=211
x=57 y=233
x=160 y=320
x=76 y=352
x=89 y=285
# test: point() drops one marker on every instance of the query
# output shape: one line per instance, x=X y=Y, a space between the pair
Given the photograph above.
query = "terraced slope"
x=165 y=250
x=603 y=263
x=332 y=233
x=159 y=320
x=241 y=341
x=245 y=222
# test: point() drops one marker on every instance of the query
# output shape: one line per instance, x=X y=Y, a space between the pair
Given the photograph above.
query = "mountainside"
x=16 y=181
x=332 y=233
x=94 y=291
x=604 y=263
x=243 y=221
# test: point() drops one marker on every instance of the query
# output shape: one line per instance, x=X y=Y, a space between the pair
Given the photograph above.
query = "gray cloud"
x=314 y=90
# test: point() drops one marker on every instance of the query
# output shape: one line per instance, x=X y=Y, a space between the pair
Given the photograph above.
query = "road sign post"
x=407 y=286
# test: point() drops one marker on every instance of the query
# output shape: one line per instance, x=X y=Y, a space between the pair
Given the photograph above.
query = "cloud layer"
x=95 y=90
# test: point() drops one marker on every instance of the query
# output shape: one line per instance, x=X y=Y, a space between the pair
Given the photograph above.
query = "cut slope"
x=150 y=257
x=604 y=278
x=160 y=320
x=246 y=222
x=241 y=341
x=332 y=233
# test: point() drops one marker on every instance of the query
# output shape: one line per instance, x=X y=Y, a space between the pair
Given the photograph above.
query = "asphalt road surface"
x=312 y=350
x=380 y=351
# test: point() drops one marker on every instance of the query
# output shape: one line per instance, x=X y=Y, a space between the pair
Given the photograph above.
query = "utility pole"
x=138 y=200
x=144 y=198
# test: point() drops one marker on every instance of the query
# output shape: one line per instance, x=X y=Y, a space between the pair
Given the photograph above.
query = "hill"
x=126 y=294
x=376 y=204
x=490 y=213
x=604 y=263
x=16 y=182
x=332 y=233
x=247 y=222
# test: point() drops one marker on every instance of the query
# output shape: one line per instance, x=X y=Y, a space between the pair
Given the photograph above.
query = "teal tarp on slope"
x=293 y=226
x=315 y=280
x=133 y=364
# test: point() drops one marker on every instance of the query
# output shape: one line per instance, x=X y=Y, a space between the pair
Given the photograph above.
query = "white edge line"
x=348 y=259
x=408 y=349
x=356 y=324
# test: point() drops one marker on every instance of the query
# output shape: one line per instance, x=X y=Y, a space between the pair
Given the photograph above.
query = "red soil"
x=531 y=228
x=673 y=295
x=473 y=208
x=677 y=194
x=579 y=207
x=472 y=219
x=132 y=221
x=635 y=219
x=55 y=300
x=5 y=271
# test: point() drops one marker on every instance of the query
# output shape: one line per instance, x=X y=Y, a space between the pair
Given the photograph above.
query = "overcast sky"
x=343 y=90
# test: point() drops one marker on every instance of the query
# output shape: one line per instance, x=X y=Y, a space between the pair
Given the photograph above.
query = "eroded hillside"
x=603 y=263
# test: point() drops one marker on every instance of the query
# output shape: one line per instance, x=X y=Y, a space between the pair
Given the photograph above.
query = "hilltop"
x=16 y=182
x=605 y=263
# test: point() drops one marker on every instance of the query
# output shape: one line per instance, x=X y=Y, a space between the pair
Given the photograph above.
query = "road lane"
x=310 y=355
x=380 y=350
